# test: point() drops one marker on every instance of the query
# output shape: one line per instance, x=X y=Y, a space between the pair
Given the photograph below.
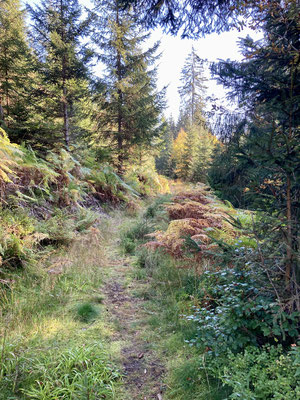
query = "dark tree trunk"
x=66 y=118
x=120 y=143
x=65 y=104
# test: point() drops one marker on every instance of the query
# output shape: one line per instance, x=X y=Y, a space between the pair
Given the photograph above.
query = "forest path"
x=142 y=369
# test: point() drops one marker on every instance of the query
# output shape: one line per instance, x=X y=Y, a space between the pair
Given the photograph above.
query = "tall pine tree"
x=199 y=142
x=192 y=90
x=129 y=115
x=165 y=162
x=15 y=68
x=267 y=85
x=59 y=31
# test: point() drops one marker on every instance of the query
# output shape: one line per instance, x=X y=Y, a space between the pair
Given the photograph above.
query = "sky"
x=174 y=52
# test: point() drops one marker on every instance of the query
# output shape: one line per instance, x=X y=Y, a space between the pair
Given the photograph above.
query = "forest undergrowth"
x=115 y=281
x=55 y=340
x=213 y=313
x=151 y=302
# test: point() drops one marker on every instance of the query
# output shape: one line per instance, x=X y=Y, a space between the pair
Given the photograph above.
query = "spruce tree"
x=192 y=91
x=15 y=68
x=59 y=31
x=129 y=115
x=267 y=85
x=189 y=17
x=164 y=162
x=203 y=155
x=199 y=141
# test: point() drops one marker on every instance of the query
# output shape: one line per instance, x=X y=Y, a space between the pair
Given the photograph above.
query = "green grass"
x=47 y=349
x=86 y=312
x=58 y=370
x=170 y=293
x=134 y=231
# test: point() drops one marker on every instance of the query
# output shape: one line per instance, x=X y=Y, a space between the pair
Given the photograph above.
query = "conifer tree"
x=183 y=121
x=172 y=126
x=15 y=68
x=189 y=17
x=164 y=162
x=130 y=114
x=198 y=144
x=193 y=88
x=267 y=84
x=205 y=147
x=190 y=152
x=58 y=32
x=179 y=153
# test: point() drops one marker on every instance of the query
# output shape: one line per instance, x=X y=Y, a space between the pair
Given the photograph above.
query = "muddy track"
x=143 y=372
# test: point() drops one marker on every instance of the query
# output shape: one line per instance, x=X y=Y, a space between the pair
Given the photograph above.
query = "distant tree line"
x=188 y=144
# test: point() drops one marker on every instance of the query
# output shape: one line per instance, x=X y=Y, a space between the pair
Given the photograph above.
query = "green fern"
x=10 y=155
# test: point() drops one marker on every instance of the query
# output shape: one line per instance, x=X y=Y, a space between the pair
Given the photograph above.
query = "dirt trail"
x=143 y=372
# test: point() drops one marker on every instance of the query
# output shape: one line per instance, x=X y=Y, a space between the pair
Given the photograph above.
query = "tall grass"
x=47 y=349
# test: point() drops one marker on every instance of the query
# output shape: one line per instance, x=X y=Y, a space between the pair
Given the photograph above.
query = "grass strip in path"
x=143 y=371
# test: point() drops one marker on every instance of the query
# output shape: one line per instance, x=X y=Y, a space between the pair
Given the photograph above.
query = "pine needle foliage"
x=129 y=113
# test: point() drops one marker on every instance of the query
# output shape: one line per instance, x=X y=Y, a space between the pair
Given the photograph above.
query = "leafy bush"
x=235 y=313
x=155 y=208
x=146 y=181
x=85 y=218
x=59 y=228
x=266 y=373
x=107 y=186
x=10 y=155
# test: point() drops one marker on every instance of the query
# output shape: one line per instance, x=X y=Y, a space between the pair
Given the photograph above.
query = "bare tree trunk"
x=66 y=118
x=6 y=90
x=120 y=117
x=1 y=111
x=289 y=253
x=66 y=129
x=193 y=88
x=120 y=156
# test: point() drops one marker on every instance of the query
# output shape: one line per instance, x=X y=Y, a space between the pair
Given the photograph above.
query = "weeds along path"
x=143 y=371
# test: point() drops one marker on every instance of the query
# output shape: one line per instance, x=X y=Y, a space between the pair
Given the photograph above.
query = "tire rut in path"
x=143 y=372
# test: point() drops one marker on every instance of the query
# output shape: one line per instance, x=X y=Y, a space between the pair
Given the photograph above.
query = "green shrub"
x=85 y=218
x=156 y=208
x=264 y=374
x=10 y=156
x=59 y=228
x=235 y=313
x=107 y=186
x=135 y=235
